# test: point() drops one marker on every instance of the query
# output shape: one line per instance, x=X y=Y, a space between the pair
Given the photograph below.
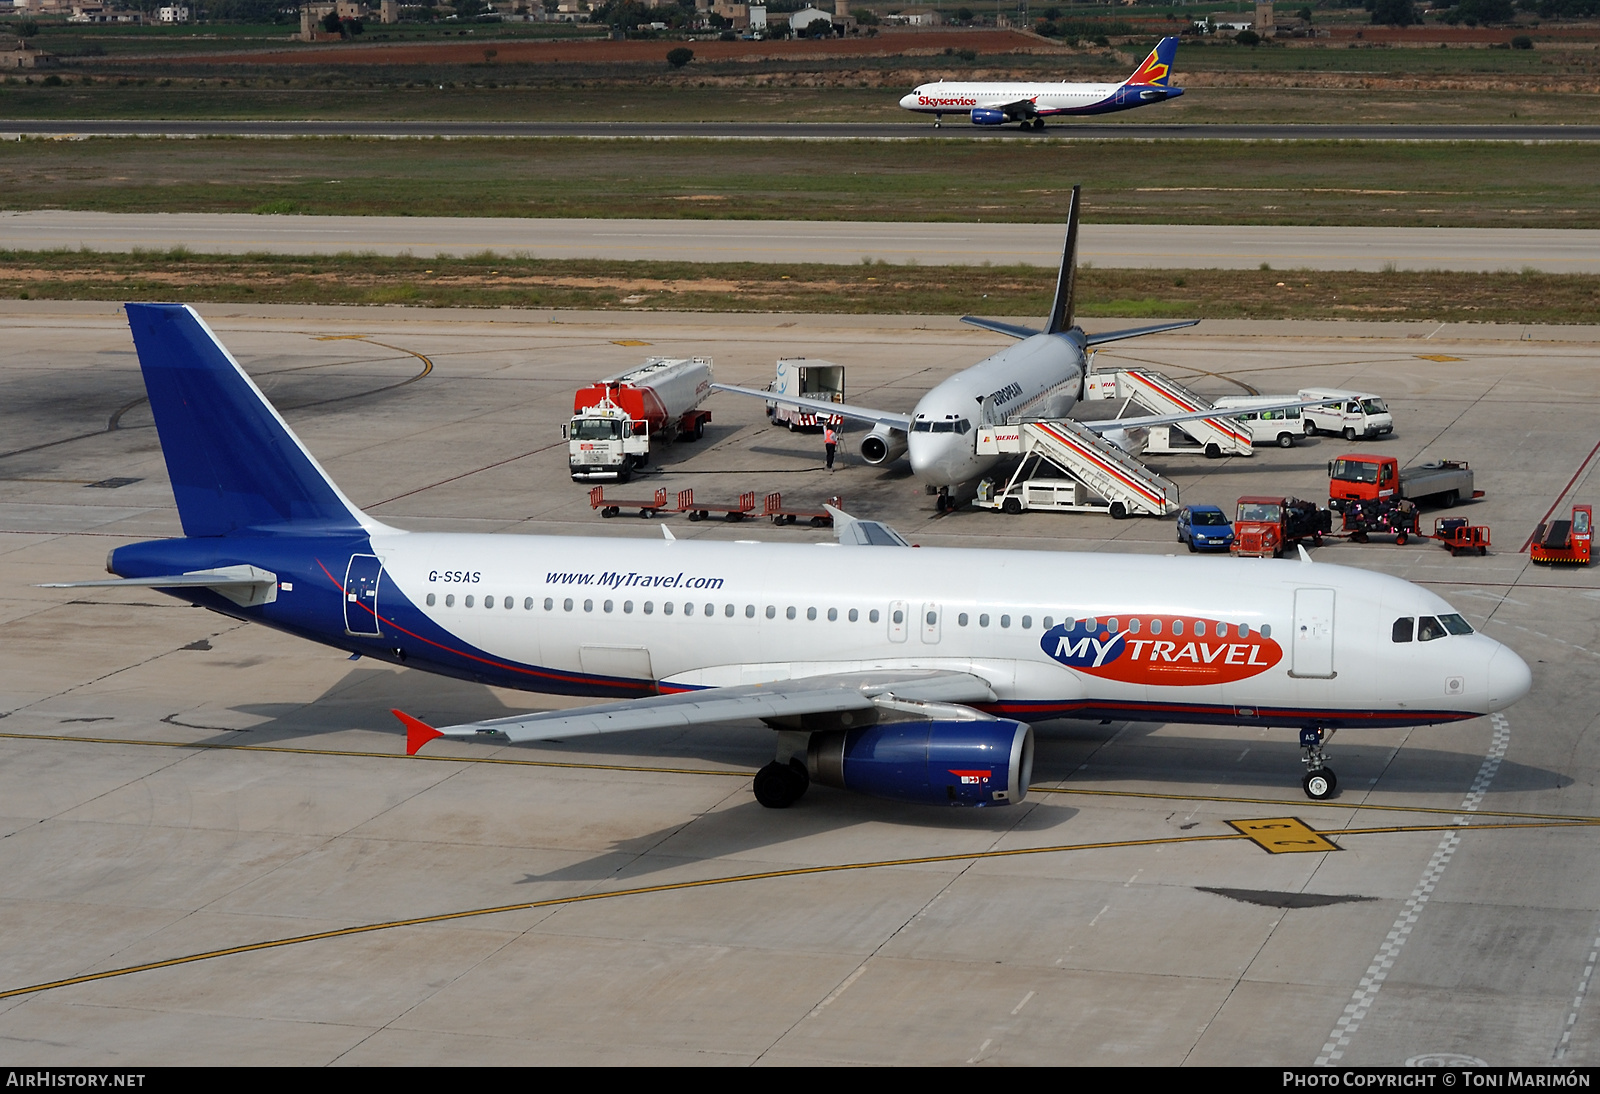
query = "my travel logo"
x=1162 y=649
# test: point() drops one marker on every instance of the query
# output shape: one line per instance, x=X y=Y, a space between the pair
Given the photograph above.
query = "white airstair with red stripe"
x=1093 y=475
x=1162 y=395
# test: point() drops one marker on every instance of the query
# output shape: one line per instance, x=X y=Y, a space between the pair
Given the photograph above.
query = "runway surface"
x=840 y=242
x=228 y=810
x=955 y=128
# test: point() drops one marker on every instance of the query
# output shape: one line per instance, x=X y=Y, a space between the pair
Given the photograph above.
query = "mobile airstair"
x=1161 y=395
x=1091 y=475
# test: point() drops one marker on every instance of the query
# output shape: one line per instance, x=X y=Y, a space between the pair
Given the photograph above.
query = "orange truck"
x=1263 y=527
x=1360 y=477
x=1566 y=541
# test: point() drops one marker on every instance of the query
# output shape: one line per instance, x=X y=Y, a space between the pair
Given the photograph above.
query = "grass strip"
x=492 y=281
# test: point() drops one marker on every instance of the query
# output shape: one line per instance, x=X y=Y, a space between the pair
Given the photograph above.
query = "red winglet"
x=417 y=733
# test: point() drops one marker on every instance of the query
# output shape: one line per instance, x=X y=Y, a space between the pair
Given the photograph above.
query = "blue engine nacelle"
x=985 y=116
x=987 y=762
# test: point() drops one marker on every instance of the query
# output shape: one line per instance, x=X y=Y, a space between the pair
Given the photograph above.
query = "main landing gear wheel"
x=780 y=785
x=1320 y=785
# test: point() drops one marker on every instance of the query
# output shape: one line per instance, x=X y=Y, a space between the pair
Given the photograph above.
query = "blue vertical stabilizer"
x=233 y=461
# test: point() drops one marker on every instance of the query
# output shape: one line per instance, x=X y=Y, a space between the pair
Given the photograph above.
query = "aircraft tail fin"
x=233 y=461
x=1157 y=68
x=1066 y=282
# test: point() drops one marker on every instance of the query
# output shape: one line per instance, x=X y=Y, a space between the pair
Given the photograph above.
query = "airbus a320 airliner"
x=908 y=674
x=1031 y=104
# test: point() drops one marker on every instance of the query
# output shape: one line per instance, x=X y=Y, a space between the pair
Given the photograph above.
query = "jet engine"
x=984 y=116
x=883 y=445
x=974 y=763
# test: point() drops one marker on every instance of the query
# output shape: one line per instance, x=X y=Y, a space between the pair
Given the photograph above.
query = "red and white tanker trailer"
x=614 y=420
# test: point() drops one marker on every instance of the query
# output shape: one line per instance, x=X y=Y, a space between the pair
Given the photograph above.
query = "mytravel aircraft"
x=907 y=674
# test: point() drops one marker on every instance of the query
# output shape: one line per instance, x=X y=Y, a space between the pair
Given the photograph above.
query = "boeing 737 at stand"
x=1039 y=378
x=908 y=674
x=1031 y=104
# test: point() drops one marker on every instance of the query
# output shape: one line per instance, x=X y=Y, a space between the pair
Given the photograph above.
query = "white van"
x=1278 y=426
x=1356 y=414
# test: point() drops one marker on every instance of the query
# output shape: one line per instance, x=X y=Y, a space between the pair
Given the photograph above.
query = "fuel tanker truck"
x=614 y=421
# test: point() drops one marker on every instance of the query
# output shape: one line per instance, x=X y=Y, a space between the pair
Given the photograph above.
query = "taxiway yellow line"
x=734 y=879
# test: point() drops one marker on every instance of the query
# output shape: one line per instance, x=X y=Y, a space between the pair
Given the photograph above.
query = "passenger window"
x=872 y=616
x=1005 y=621
x=1266 y=630
x=606 y=607
x=588 y=605
x=627 y=607
x=1244 y=630
x=527 y=604
x=833 y=615
x=811 y=614
x=1429 y=628
x=1402 y=629
x=899 y=617
x=983 y=620
x=854 y=615
x=1113 y=625
x=728 y=611
x=749 y=611
x=710 y=610
x=688 y=608
x=468 y=602
x=1155 y=626
x=666 y=607
x=1177 y=626
x=450 y=600
x=1200 y=628
x=772 y=612
x=549 y=604
x=649 y=606
x=961 y=620
x=430 y=600
x=789 y=614
x=1027 y=622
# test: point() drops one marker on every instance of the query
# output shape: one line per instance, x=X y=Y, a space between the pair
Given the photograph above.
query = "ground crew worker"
x=830 y=441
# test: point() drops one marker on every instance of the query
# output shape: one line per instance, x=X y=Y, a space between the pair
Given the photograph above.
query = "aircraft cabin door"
x=930 y=624
x=361 y=595
x=1312 y=641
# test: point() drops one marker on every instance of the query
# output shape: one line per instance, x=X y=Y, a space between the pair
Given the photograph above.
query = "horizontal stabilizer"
x=246 y=586
x=822 y=406
x=1135 y=332
x=830 y=694
x=1011 y=330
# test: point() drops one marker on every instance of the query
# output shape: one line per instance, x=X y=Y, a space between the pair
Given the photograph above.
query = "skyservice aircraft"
x=909 y=674
x=1041 y=377
x=1031 y=104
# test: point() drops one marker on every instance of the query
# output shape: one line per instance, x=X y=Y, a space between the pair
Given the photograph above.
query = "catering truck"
x=813 y=379
x=614 y=421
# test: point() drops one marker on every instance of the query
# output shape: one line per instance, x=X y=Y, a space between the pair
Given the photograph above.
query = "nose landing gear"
x=1319 y=782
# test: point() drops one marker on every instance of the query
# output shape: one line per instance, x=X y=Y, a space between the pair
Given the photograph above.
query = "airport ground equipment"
x=1161 y=395
x=818 y=380
x=773 y=507
x=610 y=507
x=1461 y=537
x=1353 y=414
x=1093 y=475
x=614 y=421
x=698 y=511
x=1265 y=417
x=1364 y=518
x=1264 y=527
x=1564 y=540
x=1360 y=477
x=1204 y=528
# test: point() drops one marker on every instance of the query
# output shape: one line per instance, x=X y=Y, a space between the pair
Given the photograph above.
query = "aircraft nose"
x=909 y=101
x=1509 y=679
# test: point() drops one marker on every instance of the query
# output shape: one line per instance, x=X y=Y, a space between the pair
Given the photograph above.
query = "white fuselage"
x=1235 y=641
x=959 y=98
x=1039 y=377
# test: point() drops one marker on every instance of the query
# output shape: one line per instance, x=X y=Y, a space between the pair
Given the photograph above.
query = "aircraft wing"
x=861 y=414
x=828 y=694
x=1135 y=332
x=1111 y=425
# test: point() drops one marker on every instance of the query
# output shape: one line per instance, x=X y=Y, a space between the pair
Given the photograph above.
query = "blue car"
x=1204 y=528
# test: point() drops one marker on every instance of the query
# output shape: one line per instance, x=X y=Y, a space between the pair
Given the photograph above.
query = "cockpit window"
x=1429 y=628
x=1455 y=624
x=1402 y=629
x=922 y=427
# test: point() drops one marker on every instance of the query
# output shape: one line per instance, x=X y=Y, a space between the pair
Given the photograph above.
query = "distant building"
x=800 y=22
x=15 y=54
x=172 y=15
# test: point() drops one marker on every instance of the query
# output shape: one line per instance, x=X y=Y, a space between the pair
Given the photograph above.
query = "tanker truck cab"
x=1356 y=414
